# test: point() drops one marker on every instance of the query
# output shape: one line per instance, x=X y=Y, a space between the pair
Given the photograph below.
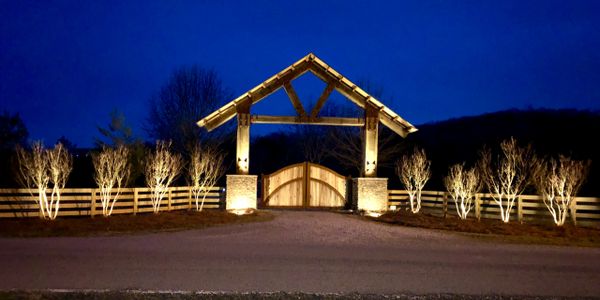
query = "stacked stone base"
x=241 y=193
x=369 y=194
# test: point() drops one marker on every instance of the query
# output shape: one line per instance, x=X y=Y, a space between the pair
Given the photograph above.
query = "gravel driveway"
x=321 y=252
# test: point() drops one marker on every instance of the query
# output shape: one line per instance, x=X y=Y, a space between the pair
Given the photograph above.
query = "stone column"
x=240 y=195
x=370 y=195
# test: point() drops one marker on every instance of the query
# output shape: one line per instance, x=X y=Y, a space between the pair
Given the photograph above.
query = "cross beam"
x=326 y=121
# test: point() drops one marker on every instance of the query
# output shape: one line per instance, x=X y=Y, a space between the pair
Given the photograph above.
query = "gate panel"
x=285 y=187
x=304 y=185
x=326 y=187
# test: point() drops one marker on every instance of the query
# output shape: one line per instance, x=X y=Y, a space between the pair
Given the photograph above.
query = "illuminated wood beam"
x=370 y=140
x=243 y=139
x=289 y=90
x=228 y=111
x=325 y=121
x=324 y=96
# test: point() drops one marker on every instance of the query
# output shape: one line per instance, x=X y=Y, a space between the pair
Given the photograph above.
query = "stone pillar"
x=370 y=141
x=370 y=194
x=241 y=193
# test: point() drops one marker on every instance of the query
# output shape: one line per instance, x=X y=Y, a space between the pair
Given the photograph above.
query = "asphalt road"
x=315 y=252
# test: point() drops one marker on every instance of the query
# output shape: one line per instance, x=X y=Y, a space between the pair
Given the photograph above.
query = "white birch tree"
x=462 y=184
x=33 y=173
x=161 y=169
x=111 y=171
x=507 y=176
x=206 y=167
x=558 y=183
x=60 y=164
x=414 y=172
x=42 y=168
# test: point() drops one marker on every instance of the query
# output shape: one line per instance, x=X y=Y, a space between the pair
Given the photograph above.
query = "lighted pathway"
x=300 y=251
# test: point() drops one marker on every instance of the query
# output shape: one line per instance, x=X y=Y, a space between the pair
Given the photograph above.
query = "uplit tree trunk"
x=558 y=182
x=60 y=164
x=33 y=173
x=112 y=169
x=509 y=174
x=162 y=167
x=206 y=167
x=40 y=168
x=414 y=172
x=462 y=185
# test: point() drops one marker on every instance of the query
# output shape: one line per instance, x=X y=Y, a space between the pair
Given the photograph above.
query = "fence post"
x=445 y=203
x=574 y=211
x=520 y=209
x=169 y=200
x=93 y=204
x=135 y=201
x=478 y=206
x=190 y=198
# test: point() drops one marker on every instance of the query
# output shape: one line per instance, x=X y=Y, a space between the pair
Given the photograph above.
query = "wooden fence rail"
x=527 y=207
x=16 y=203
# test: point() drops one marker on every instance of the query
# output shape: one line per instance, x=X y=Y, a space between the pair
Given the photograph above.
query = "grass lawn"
x=124 y=224
x=495 y=230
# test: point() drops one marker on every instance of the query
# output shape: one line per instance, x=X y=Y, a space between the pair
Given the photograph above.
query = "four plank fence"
x=16 y=203
x=527 y=208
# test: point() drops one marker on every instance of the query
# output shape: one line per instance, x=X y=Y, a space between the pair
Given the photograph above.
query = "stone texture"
x=370 y=194
x=241 y=192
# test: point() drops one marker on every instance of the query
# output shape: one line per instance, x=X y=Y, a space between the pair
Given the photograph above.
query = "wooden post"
x=305 y=187
x=478 y=206
x=169 y=200
x=370 y=141
x=93 y=204
x=243 y=139
x=135 y=201
x=574 y=211
x=445 y=203
x=520 y=209
x=190 y=198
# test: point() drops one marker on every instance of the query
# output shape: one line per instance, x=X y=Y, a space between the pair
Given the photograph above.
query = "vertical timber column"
x=370 y=141
x=369 y=192
x=240 y=197
x=243 y=139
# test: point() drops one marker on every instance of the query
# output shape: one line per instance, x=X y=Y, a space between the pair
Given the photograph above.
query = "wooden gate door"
x=304 y=185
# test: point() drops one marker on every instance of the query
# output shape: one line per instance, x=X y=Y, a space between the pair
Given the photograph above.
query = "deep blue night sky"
x=65 y=65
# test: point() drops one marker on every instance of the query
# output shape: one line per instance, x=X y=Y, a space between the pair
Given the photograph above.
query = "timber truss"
x=375 y=111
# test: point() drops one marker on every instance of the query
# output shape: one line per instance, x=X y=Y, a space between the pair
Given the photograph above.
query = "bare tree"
x=60 y=164
x=162 y=167
x=43 y=168
x=33 y=172
x=414 y=172
x=206 y=167
x=462 y=184
x=558 y=182
x=190 y=93
x=112 y=170
x=507 y=176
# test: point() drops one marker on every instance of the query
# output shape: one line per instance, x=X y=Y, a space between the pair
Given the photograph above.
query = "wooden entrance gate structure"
x=304 y=185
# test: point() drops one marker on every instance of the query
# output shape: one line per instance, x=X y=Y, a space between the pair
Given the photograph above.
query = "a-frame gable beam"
x=289 y=90
x=342 y=86
x=324 y=96
x=228 y=111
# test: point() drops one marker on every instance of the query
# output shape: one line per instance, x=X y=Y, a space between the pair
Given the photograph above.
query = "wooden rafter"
x=328 y=89
x=320 y=69
x=326 y=121
x=289 y=90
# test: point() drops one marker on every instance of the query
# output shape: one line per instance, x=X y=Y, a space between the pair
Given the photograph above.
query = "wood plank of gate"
x=304 y=185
